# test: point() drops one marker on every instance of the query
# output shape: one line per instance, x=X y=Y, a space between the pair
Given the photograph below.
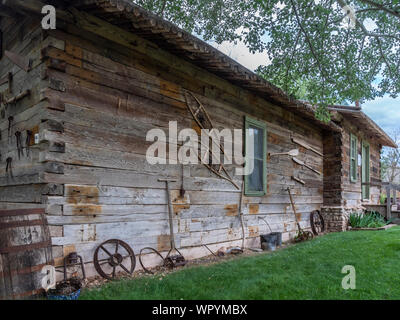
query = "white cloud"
x=240 y=53
x=370 y=25
x=385 y=112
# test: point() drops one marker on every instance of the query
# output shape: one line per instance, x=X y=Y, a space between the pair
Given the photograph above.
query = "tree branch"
x=308 y=40
x=161 y=13
x=382 y=7
x=384 y=57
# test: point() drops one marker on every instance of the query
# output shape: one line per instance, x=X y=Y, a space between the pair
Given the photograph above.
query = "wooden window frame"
x=261 y=125
x=353 y=157
x=365 y=144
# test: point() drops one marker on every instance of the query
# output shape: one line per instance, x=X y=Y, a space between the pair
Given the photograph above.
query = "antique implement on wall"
x=22 y=62
x=203 y=120
x=114 y=258
x=305 y=165
x=291 y=153
x=306 y=146
x=176 y=260
x=72 y=260
x=7 y=79
x=317 y=222
x=301 y=234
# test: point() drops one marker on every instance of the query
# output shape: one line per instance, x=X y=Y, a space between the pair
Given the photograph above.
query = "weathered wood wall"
x=23 y=186
x=101 y=94
x=338 y=189
x=352 y=191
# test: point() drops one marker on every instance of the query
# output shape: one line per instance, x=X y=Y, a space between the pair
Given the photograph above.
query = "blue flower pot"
x=72 y=296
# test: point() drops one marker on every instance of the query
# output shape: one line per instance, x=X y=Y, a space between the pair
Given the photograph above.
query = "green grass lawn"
x=309 y=270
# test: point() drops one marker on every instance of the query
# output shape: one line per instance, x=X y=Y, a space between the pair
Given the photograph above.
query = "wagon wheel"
x=114 y=258
x=140 y=258
x=308 y=235
x=317 y=222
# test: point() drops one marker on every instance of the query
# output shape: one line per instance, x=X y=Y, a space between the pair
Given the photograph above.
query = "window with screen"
x=353 y=158
x=256 y=182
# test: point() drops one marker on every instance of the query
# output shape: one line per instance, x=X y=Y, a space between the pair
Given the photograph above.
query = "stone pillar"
x=336 y=218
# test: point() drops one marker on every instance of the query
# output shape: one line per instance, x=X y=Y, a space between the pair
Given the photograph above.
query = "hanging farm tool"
x=203 y=120
x=306 y=146
x=298 y=180
x=291 y=153
x=117 y=254
x=317 y=222
x=176 y=260
x=7 y=79
x=305 y=165
x=301 y=234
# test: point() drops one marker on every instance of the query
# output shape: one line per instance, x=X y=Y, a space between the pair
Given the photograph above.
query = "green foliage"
x=315 y=54
x=390 y=160
x=309 y=270
x=369 y=220
x=382 y=198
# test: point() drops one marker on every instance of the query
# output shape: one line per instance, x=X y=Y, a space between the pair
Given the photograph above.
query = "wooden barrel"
x=25 y=247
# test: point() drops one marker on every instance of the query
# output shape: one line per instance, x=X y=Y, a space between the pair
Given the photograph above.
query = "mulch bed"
x=162 y=271
x=373 y=229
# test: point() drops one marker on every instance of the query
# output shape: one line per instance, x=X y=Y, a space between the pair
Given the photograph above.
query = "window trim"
x=355 y=158
x=261 y=125
x=365 y=144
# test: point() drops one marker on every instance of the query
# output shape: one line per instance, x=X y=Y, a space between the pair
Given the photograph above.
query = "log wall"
x=352 y=191
x=338 y=189
x=95 y=98
x=23 y=185
x=108 y=104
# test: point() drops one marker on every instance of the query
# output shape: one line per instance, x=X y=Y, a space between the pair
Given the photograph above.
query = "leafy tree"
x=390 y=160
x=340 y=50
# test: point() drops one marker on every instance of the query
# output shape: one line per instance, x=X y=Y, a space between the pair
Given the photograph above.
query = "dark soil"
x=66 y=287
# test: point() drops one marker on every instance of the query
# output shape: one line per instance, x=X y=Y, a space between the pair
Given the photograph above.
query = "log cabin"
x=78 y=101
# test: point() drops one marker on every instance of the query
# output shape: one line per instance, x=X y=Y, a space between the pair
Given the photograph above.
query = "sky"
x=384 y=111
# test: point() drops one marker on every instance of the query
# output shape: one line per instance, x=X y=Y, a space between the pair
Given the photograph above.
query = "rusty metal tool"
x=301 y=234
x=7 y=79
x=172 y=261
x=203 y=120
x=72 y=259
x=114 y=258
x=305 y=165
x=22 y=62
x=291 y=153
x=306 y=146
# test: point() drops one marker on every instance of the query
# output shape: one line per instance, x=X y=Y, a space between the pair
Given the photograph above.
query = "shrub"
x=382 y=198
x=368 y=220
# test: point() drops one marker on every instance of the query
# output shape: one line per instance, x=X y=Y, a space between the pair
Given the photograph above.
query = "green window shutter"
x=353 y=158
x=255 y=184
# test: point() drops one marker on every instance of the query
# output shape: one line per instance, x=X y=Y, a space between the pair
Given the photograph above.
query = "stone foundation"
x=336 y=218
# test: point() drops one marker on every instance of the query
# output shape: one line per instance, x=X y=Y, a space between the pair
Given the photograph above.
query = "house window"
x=365 y=179
x=353 y=158
x=255 y=184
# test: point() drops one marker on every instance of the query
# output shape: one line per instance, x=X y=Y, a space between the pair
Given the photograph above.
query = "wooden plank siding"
x=93 y=102
x=339 y=190
x=95 y=92
x=352 y=191
x=109 y=104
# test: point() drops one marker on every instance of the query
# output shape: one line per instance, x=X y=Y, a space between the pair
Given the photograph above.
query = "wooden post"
x=388 y=203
